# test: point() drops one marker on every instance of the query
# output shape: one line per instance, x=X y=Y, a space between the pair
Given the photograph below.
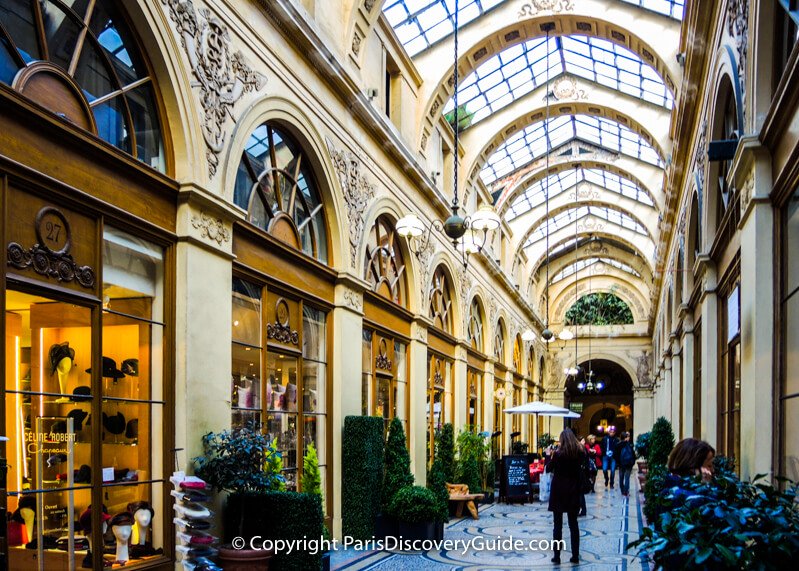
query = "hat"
x=132 y=429
x=58 y=352
x=56 y=459
x=83 y=475
x=110 y=370
x=82 y=393
x=122 y=518
x=77 y=416
x=59 y=427
x=133 y=507
x=114 y=424
x=131 y=367
x=86 y=518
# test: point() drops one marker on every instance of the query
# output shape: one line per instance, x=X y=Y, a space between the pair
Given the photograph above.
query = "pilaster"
x=417 y=423
x=710 y=353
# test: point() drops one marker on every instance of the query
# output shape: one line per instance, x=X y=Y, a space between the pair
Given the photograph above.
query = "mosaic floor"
x=612 y=522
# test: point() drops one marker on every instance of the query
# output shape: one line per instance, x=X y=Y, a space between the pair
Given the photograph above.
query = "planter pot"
x=418 y=531
x=385 y=526
x=488 y=497
x=244 y=559
x=326 y=562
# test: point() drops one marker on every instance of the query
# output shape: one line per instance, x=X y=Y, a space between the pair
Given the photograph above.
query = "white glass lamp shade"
x=573 y=371
x=485 y=219
x=566 y=335
x=468 y=244
x=528 y=335
x=410 y=226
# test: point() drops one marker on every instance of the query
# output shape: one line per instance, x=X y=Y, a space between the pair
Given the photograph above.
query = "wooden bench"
x=460 y=493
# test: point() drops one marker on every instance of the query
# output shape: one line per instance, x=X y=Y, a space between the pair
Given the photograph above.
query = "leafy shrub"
x=361 y=475
x=300 y=516
x=445 y=449
x=661 y=441
x=519 y=447
x=415 y=504
x=240 y=460
x=397 y=463
x=438 y=485
x=311 y=479
x=470 y=475
x=642 y=445
x=656 y=478
x=724 y=524
x=474 y=444
x=545 y=440
x=723 y=465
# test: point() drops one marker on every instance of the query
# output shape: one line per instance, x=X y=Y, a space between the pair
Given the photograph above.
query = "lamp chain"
x=455 y=77
x=546 y=191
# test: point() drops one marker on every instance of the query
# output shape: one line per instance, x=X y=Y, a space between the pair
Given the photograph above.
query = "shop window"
x=730 y=385
x=103 y=83
x=85 y=410
x=474 y=401
x=728 y=131
x=499 y=343
x=280 y=374
x=384 y=267
x=441 y=301
x=786 y=34
x=516 y=419
x=384 y=380
x=439 y=398
x=517 y=354
x=499 y=416
x=475 y=329
x=276 y=186
x=789 y=381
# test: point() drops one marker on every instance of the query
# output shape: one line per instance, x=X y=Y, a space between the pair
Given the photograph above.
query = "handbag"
x=545 y=486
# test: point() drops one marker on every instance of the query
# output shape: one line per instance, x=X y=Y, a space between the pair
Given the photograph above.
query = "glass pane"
x=383 y=399
x=246 y=312
x=314 y=433
x=133 y=275
x=733 y=314
x=149 y=141
x=115 y=42
x=17 y=17
x=93 y=74
x=246 y=389
x=132 y=441
x=314 y=381
x=282 y=427
x=144 y=538
x=791 y=242
x=77 y=6
x=281 y=371
x=366 y=376
x=62 y=33
x=791 y=382
x=400 y=385
x=132 y=353
x=110 y=119
x=8 y=67
x=313 y=337
x=790 y=433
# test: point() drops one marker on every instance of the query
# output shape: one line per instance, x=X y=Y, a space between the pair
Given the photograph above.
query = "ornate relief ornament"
x=465 y=281
x=493 y=312
x=382 y=361
x=590 y=225
x=223 y=75
x=368 y=5
x=50 y=256
x=212 y=228
x=418 y=332
x=585 y=191
x=353 y=300
x=280 y=330
x=533 y=7
x=358 y=191
x=424 y=258
x=747 y=191
x=738 y=28
x=566 y=88
x=356 y=43
x=643 y=369
x=700 y=159
x=681 y=221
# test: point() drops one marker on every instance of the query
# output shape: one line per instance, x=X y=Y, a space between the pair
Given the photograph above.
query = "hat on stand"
x=110 y=370
x=59 y=352
x=131 y=367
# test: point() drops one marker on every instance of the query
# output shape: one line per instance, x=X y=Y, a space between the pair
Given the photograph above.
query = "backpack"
x=626 y=455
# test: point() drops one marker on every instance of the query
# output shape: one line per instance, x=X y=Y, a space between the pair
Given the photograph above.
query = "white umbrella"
x=570 y=414
x=537 y=407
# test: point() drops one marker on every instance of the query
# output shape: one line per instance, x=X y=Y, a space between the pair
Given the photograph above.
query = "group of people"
x=575 y=466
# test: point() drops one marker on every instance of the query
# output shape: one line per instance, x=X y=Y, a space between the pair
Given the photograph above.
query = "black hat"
x=133 y=507
x=83 y=475
x=77 y=416
x=131 y=367
x=114 y=424
x=82 y=393
x=110 y=370
x=56 y=459
x=58 y=352
x=132 y=428
x=59 y=427
x=27 y=501
x=122 y=518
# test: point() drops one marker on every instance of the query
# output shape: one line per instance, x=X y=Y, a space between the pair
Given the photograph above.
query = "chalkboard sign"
x=515 y=478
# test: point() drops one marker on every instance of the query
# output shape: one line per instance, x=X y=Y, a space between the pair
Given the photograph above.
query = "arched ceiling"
x=568 y=129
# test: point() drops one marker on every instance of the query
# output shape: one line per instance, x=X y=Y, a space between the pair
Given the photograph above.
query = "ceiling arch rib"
x=595 y=265
x=632 y=291
x=570 y=213
x=569 y=95
x=593 y=244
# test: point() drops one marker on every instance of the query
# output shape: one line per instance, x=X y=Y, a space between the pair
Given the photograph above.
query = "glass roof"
x=567 y=217
x=597 y=264
x=671 y=8
x=535 y=195
x=420 y=23
x=519 y=69
x=527 y=145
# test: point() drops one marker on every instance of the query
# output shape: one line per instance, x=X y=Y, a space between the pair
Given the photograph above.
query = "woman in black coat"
x=566 y=466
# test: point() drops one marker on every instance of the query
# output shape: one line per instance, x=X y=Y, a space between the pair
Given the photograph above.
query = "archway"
x=611 y=406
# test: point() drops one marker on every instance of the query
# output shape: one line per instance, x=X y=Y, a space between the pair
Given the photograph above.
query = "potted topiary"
x=241 y=462
x=397 y=475
x=641 y=449
x=473 y=464
x=417 y=512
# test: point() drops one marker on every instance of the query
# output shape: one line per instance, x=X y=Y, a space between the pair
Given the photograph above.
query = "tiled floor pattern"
x=612 y=522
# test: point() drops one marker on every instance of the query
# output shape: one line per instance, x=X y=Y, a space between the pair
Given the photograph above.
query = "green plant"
x=240 y=460
x=397 y=464
x=723 y=465
x=361 y=475
x=470 y=475
x=599 y=309
x=465 y=117
x=445 y=449
x=724 y=524
x=474 y=444
x=311 y=479
x=661 y=441
x=415 y=504
x=656 y=479
x=301 y=516
x=642 y=445
x=518 y=447
x=545 y=440
x=437 y=484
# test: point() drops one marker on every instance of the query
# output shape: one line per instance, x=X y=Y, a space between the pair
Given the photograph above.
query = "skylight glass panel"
x=566 y=180
x=672 y=8
x=596 y=265
x=567 y=217
x=524 y=147
x=421 y=23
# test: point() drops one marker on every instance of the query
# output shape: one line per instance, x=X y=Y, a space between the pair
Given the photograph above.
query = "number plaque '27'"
x=50 y=256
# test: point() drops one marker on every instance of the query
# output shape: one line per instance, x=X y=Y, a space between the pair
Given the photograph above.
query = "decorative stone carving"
x=533 y=7
x=434 y=109
x=223 y=76
x=353 y=300
x=493 y=312
x=738 y=28
x=555 y=372
x=643 y=369
x=639 y=308
x=746 y=192
x=356 y=43
x=585 y=191
x=382 y=361
x=59 y=266
x=368 y=5
x=211 y=228
x=596 y=247
x=424 y=141
x=681 y=221
x=424 y=258
x=358 y=191
x=700 y=159
x=566 y=88
x=418 y=332
x=590 y=225
x=465 y=281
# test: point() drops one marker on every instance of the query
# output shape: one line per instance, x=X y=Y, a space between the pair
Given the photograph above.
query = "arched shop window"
x=729 y=131
x=517 y=354
x=499 y=342
x=79 y=59
x=441 y=301
x=276 y=186
x=439 y=397
x=384 y=267
x=475 y=329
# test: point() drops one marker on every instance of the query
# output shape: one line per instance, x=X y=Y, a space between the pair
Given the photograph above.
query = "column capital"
x=205 y=220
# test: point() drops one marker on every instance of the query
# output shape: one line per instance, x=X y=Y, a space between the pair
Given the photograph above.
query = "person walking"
x=609 y=443
x=595 y=455
x=626 y=458
x=566 y=467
